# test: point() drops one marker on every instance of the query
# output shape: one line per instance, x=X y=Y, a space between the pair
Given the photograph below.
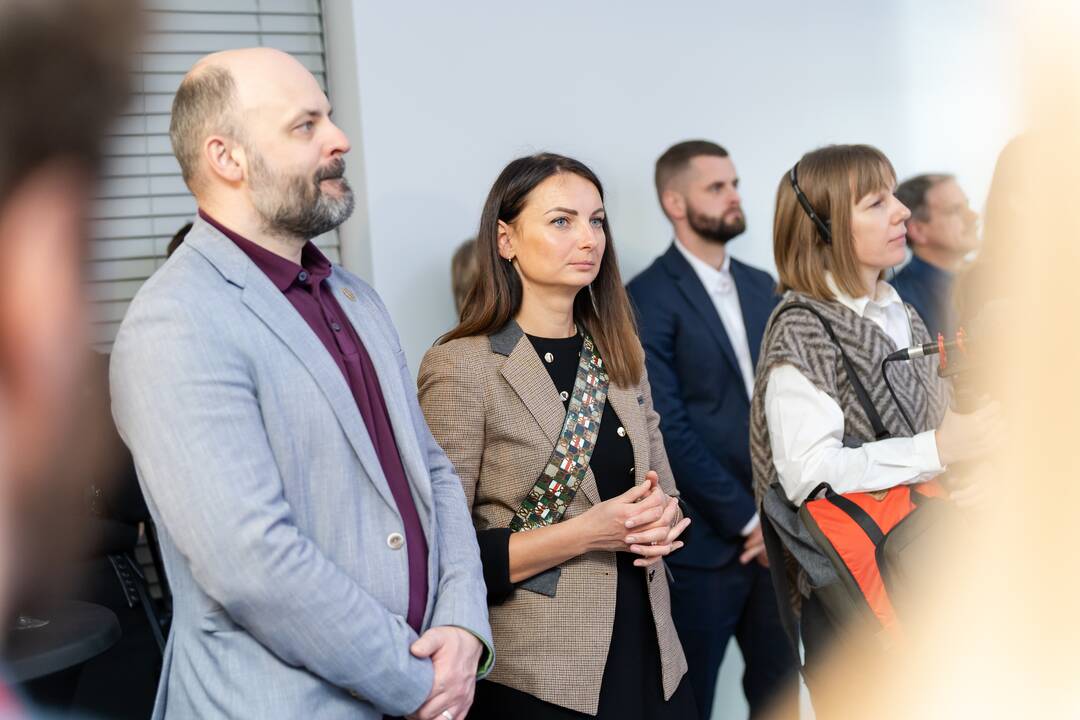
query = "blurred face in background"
x=951 y=225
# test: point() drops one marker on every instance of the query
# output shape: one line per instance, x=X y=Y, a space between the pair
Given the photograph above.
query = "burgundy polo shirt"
x=304 y=286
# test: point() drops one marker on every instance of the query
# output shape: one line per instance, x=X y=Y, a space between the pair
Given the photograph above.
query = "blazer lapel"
x=755 y=307
x=267 y=302
x=690 y=286
x=527 y=376
x=363 y=315
x=270 y=306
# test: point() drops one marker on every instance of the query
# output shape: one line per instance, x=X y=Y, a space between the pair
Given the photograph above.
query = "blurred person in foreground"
x=316 y=538
x=63 y=77
x=996 y=637
x=702 y=314
x=941 y=232
x=808 y=425
x=540 y=398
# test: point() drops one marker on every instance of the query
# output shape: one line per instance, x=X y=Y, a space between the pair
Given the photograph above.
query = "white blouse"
x=806 y=426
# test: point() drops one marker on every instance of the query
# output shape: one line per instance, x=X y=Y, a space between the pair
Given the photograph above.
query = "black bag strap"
x=852 y=510
x=774 y=550
x=880 y=431
x=856 y=513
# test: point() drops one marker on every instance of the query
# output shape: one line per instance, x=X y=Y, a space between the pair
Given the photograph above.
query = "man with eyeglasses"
x=942 y=232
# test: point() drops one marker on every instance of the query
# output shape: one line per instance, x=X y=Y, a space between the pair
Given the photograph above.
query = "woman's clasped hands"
x=643 y=520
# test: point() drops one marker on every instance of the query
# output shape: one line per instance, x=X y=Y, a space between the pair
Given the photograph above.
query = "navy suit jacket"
x=699 y=393
x=929 y=290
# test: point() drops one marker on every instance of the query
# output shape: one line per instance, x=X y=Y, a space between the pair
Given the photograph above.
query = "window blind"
x=142 y=200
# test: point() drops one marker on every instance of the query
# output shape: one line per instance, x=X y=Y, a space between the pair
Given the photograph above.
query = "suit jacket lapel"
x=269 y=305
x=690 y=285
x=362 y=313
x=267 y=302
x=528 y=378
x=754 y=305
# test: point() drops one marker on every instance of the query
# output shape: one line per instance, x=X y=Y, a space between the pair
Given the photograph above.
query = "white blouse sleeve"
x=806 y=433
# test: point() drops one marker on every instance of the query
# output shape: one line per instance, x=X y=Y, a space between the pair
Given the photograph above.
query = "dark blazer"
x=699 y=393
x=929 y=290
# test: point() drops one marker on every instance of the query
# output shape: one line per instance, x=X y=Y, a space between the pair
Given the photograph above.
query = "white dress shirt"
x=721 y=289
x=806 y=426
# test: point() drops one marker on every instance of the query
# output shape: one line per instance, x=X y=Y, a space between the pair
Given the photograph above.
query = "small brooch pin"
x=349 y=294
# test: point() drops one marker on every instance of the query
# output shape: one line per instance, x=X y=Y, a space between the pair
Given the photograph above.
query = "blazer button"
x=395 y=541
x=621 y=431
x=355 y=694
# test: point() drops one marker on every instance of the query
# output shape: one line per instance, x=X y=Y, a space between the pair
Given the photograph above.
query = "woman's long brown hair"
x=602 y=308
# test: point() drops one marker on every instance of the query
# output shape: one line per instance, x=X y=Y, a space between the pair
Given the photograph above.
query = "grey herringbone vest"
x=797 y=338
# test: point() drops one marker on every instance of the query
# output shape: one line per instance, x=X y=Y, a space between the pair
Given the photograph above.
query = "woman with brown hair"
x=838 y=227
x=539 y=398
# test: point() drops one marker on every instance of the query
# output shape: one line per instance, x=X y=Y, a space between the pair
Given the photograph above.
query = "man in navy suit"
x=942 y=231
x=701 y=315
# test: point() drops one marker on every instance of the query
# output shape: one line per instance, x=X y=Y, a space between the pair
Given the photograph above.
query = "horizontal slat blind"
x=142 y=200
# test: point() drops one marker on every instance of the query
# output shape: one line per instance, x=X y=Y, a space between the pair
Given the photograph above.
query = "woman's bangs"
x=871 y=172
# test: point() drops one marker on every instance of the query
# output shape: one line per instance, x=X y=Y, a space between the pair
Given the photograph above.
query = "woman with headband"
x=837 y=229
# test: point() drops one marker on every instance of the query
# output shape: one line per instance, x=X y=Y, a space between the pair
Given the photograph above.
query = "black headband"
x=822 y=225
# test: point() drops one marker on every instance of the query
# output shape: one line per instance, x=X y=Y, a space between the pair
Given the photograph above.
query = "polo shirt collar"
x=314 y=266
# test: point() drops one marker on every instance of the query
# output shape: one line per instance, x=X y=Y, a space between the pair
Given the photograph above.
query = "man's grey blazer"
x=273 y=510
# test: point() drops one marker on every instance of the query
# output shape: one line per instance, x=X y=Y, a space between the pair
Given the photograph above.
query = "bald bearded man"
x=321 y=555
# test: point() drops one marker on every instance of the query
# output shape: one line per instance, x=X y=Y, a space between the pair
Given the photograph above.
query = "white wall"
x=963 y=95
x=450 y=92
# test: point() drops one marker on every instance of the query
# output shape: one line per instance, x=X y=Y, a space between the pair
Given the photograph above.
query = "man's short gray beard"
x=296 y=207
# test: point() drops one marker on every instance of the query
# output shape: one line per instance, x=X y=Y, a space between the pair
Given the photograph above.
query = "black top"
x=632 y=686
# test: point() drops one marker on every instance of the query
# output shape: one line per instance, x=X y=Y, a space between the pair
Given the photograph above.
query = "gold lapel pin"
x=349 y=294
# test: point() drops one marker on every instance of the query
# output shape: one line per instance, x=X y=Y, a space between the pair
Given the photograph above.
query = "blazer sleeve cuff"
x=487 y=658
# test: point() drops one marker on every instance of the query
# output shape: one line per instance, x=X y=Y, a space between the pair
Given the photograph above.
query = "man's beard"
x=716 y=229
x=296 y=206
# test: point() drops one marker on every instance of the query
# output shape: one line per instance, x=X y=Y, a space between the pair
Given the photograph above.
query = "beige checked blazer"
x=493 y=408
